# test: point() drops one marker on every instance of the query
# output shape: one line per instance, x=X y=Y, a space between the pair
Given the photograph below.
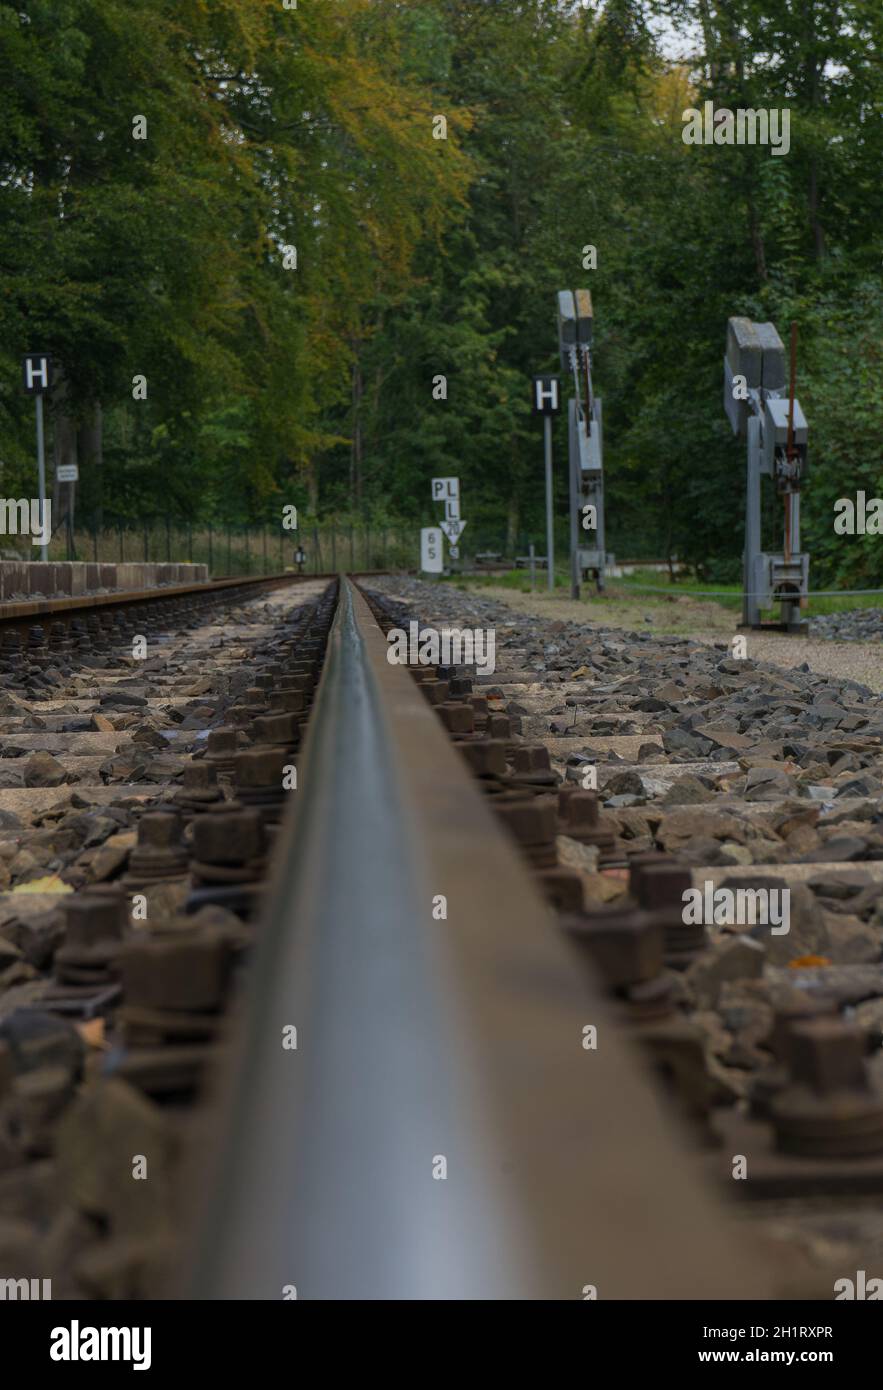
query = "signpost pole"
x=575 y=571
x=37 y=374
x=41 y=473
x=550 y=518
x=547 y=402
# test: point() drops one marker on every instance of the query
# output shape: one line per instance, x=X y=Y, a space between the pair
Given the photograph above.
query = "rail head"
x=440 y=1129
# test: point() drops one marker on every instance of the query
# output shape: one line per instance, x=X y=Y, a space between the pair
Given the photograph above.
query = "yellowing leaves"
x=50 y=884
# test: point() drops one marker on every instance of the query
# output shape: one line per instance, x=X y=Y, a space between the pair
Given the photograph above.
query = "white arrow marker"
x=453 y=530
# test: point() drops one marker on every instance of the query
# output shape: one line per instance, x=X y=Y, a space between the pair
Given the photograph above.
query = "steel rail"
x=420 y=1040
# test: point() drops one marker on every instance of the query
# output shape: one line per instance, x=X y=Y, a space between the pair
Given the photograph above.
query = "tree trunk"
x=90 y=439
x=90 y=444
x=312 y=472
x=356 y=450
x=64 y=451
x=65 y=430
x=756 y=239
x=813 y=198
x=511 y=524
x=818 y=233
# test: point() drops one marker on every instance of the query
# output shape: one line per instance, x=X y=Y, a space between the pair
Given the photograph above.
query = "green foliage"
x=421 y=258
x=843 y=394
x=164 y=257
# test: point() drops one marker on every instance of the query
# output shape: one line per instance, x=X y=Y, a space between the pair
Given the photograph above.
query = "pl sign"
x=445 y=488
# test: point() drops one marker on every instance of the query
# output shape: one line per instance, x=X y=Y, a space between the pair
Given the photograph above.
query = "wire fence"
x=734 y=594
x=327 y=546
x=237 y=550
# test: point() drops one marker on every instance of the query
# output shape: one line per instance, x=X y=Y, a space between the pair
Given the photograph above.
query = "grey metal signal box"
x=585 y=441
x=761 y=406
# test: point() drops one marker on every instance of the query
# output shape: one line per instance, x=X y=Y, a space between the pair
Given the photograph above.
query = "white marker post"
x=431 y=561
x=37 y=369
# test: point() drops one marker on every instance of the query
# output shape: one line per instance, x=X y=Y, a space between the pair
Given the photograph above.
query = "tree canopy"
x=327 y=241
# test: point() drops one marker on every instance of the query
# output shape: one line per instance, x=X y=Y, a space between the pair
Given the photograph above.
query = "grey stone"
x=837 y=885
x=42 y=1040
x=840 y=849
x=42 y=770
x=624 y=784
x=96 y=1140
x=851 y=941
x=686 y=791
x=736 y=958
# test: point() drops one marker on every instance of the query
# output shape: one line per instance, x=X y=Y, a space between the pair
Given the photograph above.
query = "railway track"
x=326 y=977
x=121 y=724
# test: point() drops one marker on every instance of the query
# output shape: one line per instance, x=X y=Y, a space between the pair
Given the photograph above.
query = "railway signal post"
x=761 y=405
x=584 y=441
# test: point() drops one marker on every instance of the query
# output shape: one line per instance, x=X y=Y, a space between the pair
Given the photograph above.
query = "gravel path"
x=852 y=625
x=857 y=661
x=854 y=660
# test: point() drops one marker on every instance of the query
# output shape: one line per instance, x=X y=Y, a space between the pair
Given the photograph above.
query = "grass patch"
x=654 y=586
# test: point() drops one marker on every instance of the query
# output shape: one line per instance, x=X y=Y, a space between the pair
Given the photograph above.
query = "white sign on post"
x=453 y=530
x=452 y=509
x=67 y=472
x=37 y=370
x=431 y=560
x=443 y=488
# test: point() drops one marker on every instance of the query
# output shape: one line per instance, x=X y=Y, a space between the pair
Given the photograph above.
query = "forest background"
x=251 y=305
